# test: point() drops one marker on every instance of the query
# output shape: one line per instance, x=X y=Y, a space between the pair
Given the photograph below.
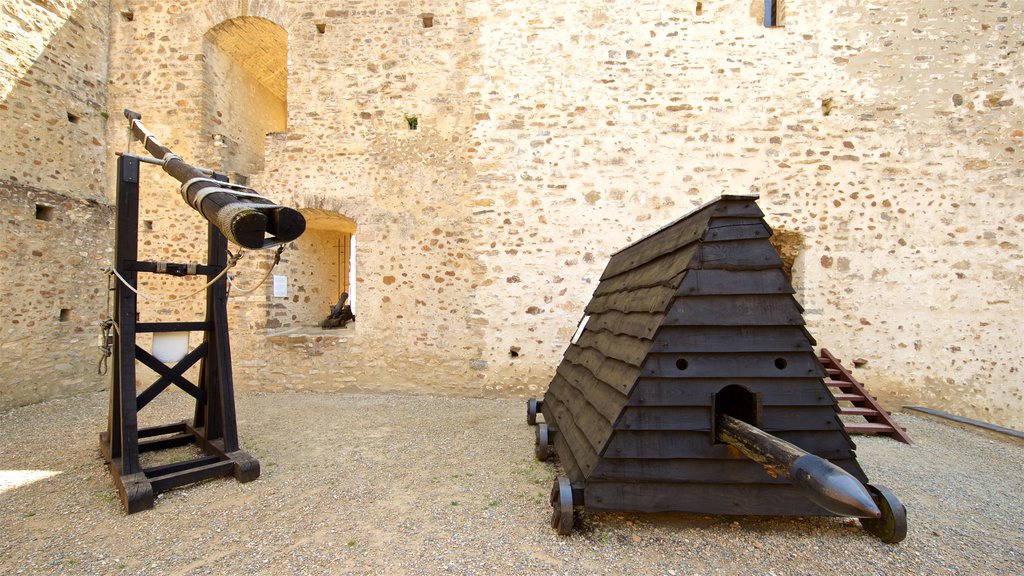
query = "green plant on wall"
x=412 y=121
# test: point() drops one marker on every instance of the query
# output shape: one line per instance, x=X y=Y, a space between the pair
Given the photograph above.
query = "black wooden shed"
x=695 y=320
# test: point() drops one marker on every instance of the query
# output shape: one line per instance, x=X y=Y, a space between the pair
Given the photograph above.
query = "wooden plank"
x=559 y=418
x=657 y=272
x=615 y=373
x=567 y=460
x=697 y=444
x=686 y=339
x=747 y=310
x=644 y=299
x=162 y=429
x=735 y=206
x=606 y=399
x=191 y=475
x=173 y=326
x=627 y=349
x=701 y=498
x=637 y=324
x=730 y=471
x=698 y=391
x=587 y=418
x=855 y=411
x=738 y=255
x=797 y=418
x=726 y=230
x=733 y=365
x=173 y=467
x=715 y=282
x=154 y=444
x=725 y=221
x=665 y=241
x=810 y=338
x=868 y=428
x=849 y=398
x=698 y=418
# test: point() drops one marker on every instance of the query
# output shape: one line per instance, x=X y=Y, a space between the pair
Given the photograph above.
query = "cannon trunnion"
x=691 y=385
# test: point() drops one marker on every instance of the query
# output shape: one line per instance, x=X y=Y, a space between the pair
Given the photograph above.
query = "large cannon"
x=235 y=213
x=242 y=215
x=691 y=385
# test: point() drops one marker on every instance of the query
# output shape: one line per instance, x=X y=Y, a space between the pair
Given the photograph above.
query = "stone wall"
x=53 y=297
x=53 y=107
x=885 y=143
x=57 y=228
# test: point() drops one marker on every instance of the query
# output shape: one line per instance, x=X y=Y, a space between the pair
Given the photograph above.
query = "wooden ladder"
x=855 y=401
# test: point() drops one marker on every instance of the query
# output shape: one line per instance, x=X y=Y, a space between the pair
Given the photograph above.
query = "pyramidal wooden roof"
x=680 y=320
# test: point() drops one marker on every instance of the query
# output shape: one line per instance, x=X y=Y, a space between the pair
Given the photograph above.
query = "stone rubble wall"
x=57 y=224
x=53 y=295
x=885 y=142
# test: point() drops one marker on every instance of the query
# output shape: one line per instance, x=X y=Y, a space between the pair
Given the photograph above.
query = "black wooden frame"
x=213 y=428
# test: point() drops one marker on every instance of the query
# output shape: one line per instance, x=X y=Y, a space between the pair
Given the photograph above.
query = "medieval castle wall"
x=490 y=156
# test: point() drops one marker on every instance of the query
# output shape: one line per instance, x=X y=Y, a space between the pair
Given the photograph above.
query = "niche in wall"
x=245 y=91
x=319 y=269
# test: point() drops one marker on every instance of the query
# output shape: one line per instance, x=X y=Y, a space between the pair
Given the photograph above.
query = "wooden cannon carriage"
x=691 y=385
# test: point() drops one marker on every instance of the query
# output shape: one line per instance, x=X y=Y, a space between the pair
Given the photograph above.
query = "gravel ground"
x=384 y=484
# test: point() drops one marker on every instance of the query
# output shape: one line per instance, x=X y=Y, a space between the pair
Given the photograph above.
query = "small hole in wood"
x=321 y=27
x=781 y=363
x=44 y=212
x=428 y=20
x=682 y=364
x=73 y=118
x=514 y=351
x=147 y=224
x=127 y=14
x=65 y=314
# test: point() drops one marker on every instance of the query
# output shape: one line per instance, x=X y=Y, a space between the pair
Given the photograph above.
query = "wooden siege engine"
x=235 y=213
x=690 y=365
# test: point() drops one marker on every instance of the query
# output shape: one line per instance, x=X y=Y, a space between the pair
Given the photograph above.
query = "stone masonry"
x=491 y=156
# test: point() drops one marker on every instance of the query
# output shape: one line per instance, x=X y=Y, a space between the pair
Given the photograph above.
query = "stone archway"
x=245 y=92
x=318 y=268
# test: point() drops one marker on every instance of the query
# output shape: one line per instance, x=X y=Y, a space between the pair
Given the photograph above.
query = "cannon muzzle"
x=245 y=217
x=824 y=483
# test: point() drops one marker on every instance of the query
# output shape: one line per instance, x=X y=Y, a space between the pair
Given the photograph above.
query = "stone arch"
x=245 y=91
x=220 y=11
x=318 y=270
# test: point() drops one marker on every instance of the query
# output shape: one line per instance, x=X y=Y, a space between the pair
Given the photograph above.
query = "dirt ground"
x=385 y=484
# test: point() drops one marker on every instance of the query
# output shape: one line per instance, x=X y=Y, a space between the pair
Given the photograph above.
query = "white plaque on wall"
x=280 y=286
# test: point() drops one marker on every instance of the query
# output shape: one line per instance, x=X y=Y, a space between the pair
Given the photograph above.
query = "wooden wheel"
x=561 y=506
x=891 y=527
x=532 y=407
x=543 y=442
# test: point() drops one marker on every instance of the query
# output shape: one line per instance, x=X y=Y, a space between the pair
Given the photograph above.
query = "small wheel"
x=543 y=443
x=532 y=406
x=561 y=506
x=891 y=527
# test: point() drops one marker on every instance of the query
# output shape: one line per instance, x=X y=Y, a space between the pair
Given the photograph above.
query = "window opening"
x=772 y=13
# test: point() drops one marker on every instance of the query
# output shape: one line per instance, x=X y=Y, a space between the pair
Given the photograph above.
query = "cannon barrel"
x=824 y=483
x=244 y=216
